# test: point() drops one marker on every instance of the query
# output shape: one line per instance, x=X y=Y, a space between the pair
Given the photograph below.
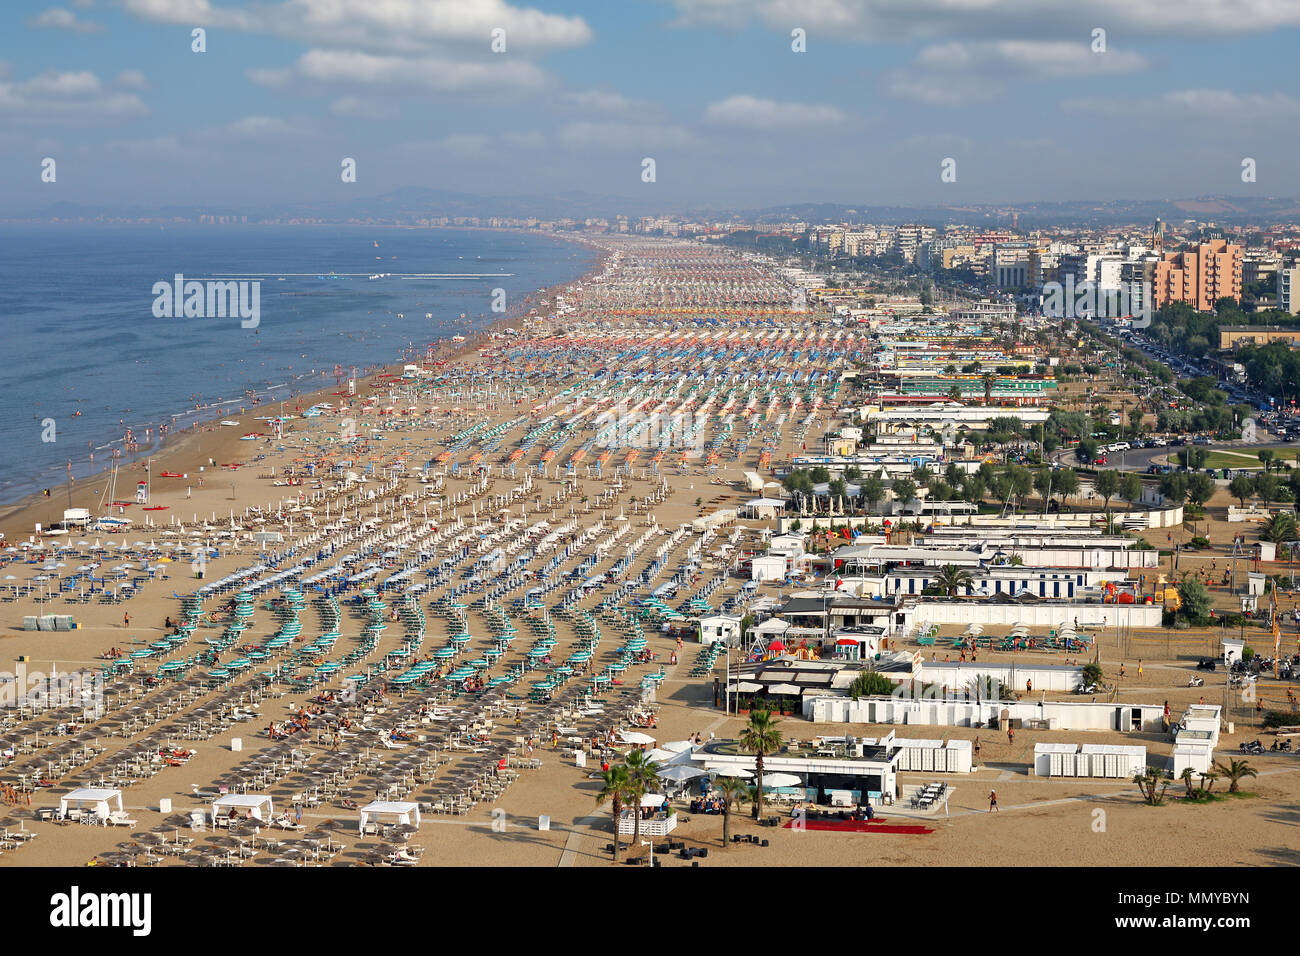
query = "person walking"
x=1011 y=737
x=993 y=801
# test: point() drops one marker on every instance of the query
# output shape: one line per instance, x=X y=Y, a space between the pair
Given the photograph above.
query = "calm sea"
x=82 y=346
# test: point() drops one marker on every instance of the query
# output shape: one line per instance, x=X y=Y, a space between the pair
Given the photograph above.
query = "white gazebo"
x=259 y=805
x=389 y=811
x=100 y=802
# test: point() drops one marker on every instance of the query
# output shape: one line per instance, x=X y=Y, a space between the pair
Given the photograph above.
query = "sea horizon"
x=94 y=283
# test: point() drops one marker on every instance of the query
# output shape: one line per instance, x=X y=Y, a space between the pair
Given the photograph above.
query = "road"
x=1138 y=459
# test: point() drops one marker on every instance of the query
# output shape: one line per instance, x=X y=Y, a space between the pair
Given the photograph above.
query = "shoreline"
x=183 y=451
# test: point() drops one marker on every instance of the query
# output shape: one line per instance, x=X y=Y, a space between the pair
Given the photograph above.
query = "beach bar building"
x=848 y=772
x=1042 y=714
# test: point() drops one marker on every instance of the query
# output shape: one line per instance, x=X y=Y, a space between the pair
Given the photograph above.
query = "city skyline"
x=1026 y=98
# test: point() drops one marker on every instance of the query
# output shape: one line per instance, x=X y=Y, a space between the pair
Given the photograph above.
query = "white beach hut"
x=101 y=802
x=388 y=812
x=259 y=805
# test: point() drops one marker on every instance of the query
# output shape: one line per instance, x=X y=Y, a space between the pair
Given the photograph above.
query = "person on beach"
x=993 y=801
x=126 y=618
x=977 y=747
x=1011 y=736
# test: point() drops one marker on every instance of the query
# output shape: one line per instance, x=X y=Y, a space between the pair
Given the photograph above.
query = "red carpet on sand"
x=850 y=826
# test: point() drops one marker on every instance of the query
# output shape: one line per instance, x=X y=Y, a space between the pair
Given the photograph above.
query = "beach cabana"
x=259 y=805
x=386 y=811
x=100 y=802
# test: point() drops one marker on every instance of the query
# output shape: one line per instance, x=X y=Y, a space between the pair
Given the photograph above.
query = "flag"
x=838 y=582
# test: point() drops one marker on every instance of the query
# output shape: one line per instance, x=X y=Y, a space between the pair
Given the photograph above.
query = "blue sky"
x=1011 y=89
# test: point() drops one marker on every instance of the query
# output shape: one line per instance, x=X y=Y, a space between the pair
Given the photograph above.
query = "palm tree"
x=732 y=791
x=1186 y=778
x=987 y=379
x=615 y=787
x=643 y=778
x=952 y=579
x=760 y=737
x=1235 y=771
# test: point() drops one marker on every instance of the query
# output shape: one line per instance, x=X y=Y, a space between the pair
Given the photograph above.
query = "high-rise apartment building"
x=1288 y=290
x=1199 y=276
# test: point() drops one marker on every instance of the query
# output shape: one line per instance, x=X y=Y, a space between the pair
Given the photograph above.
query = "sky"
x=1025 y=97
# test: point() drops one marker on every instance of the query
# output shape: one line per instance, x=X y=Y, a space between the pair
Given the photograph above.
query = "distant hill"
x=410 y=204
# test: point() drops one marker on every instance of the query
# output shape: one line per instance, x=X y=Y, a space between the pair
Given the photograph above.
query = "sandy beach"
x=434 y=577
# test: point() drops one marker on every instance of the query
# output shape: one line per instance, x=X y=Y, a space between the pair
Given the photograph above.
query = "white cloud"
x=355 y=107
x=587 y=134
x=430 y=73
x=258 y=129
x=54 y=97
x=754 y=113
x=888 y=21
x=1215 y=106
x=598 y=101
x=132 y=80
x=394 y=26
x=1028 y=57
x=961 y=72
x=58 y=19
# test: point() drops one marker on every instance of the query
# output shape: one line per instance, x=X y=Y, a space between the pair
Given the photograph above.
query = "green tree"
x=1194 y=602
x=1200 y=487
x=1279 y=528
x=952 y=579
x=616 y=788
x=1135 y=420
x=1106 y=484
x=642 y=778
x=1020 y=481
x=733 y=792
x=1066 y=482
x=987 y=380
x=1241 y=487
x=1235 y=771
x=1174 y=487
x=1265 y=456
x=871 y=683
x=973 y=489
x=872 y=489
x=1267 y=487
x=1153 y=786
x=1045 y=482
x=760 y=738
x=904 y=490
x=1130 y=488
